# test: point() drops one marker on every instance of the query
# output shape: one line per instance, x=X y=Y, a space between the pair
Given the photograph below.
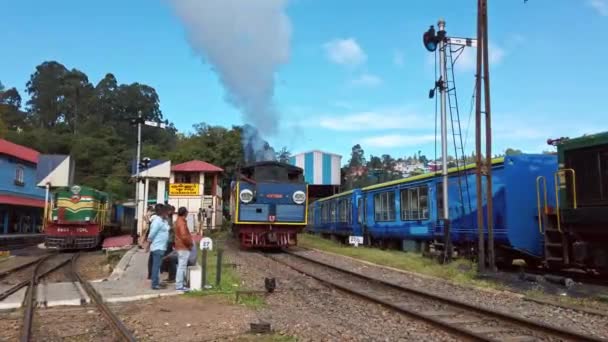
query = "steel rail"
x=30 y=299
x=513 y=319
x=4 y=273
x=115 y=322
x=24 y=283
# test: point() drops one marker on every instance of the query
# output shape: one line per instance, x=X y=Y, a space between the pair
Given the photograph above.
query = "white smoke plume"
x=245 y=41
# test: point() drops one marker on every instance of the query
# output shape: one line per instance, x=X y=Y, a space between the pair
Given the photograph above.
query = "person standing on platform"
x=183 y=245
x=158 y=238
x=153 y=215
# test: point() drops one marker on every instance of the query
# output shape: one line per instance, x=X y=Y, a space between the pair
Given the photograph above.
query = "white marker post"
x=205 y=244
x=355 y=240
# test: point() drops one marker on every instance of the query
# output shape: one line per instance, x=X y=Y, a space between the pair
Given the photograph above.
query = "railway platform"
x=128 y=282
x=16 y=241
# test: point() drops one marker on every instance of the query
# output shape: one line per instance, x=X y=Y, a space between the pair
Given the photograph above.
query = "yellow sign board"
x=183 y=189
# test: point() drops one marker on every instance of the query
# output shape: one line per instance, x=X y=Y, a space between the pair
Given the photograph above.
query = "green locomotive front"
x=579 y=234
x=77 y=218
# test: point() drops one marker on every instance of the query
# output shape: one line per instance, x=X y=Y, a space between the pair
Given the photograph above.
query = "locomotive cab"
x=579 y=232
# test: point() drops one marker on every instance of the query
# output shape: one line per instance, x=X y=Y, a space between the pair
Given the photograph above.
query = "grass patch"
x=252 y=301
x=113 y=257
x=230 y=281
x=460 y=271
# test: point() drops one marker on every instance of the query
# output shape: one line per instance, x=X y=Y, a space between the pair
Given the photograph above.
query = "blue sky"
x=356 y=71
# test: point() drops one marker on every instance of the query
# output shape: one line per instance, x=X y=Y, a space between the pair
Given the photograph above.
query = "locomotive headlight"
x=246 y=196
x=299 y=197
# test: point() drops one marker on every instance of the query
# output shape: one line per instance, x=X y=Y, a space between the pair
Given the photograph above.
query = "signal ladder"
x=459 y=154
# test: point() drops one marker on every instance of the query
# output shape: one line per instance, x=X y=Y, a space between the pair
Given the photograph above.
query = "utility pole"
x=483 y=168
x=486 y=83
x=139 y=120
x=135 y=232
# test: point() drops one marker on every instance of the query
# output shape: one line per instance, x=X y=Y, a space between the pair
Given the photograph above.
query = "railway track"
x=469 y=321
x=30 y=301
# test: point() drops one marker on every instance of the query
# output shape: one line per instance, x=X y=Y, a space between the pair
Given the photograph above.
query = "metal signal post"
x=139 y=121
x=433 y=40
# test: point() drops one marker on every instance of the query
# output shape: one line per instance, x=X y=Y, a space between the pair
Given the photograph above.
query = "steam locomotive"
x=268 y=205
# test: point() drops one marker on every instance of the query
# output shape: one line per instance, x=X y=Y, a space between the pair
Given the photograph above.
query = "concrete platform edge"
x=123 y=264
x=141 y=297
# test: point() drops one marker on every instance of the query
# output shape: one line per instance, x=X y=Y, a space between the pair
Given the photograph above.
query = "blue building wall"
x=19 y=219
x=8 y=167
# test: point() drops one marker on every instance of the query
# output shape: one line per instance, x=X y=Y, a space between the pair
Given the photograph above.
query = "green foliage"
x=66 y=114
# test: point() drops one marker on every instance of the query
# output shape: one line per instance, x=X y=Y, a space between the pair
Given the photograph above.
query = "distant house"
x=21 y=201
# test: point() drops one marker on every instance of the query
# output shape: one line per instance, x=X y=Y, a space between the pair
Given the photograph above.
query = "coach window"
x=349 y=207
x=384 y=206
x=414 y=204
x=323 y=213
x=440 y=200
x=360 y=210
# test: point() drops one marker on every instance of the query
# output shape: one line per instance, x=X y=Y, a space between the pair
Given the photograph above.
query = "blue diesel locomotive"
x=408 y=211
x=269 y=205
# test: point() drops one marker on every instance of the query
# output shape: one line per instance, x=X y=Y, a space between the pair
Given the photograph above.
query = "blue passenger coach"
x=338 y=215
x=408 y=211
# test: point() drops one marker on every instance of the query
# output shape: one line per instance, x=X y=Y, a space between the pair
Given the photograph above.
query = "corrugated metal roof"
x=18 y=151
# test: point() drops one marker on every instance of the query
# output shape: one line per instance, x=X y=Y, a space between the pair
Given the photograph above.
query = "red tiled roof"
x=18 y=151
x=23 y=201
x=196 y=166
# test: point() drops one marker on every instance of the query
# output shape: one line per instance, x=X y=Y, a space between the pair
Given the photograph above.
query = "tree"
x=357 y=157
x=512 y=152
x=45 y=90
x=10 y=104
x=283 y=155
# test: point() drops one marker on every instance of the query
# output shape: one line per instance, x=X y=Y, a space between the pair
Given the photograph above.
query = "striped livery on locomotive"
x=268 y=205
x=78 y=217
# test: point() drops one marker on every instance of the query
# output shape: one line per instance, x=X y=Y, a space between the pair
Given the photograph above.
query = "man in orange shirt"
x=183 y=245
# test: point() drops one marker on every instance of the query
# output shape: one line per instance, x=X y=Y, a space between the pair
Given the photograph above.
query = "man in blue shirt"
x=158 y=238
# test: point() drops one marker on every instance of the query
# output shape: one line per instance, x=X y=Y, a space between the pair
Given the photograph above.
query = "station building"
x=21 y=200
x=195 y=185
x=321 y=172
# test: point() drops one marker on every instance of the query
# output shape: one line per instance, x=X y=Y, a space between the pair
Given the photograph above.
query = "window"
x=187 y=177
x=19 y=175
x=345 y=209
x=209 y=190
x=360 y=210
x=414 y=204
x=332 y=211
x=440 y=201
x=384 y=206
x=324 y=212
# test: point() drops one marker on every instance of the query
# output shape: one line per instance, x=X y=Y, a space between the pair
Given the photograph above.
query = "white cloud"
x=398 y=59
x=397 y=140
x=345 y=52
x=375 y=120
x=600 y=6
x=366 y=80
